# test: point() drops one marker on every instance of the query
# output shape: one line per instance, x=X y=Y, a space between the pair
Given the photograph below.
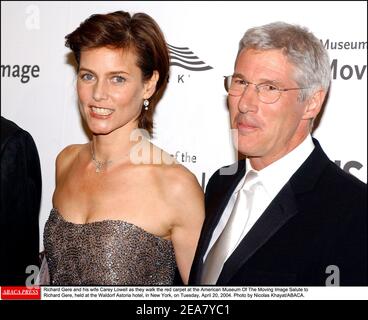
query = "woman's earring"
x=145 y=103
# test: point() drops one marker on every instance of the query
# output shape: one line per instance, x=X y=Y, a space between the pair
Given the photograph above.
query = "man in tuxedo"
x=20 y=204
x=288 y=216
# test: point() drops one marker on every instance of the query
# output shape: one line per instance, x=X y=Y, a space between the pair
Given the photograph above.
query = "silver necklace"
x=98 y=164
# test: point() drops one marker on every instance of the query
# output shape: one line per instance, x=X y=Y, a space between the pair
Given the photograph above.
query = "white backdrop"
x=191 y=121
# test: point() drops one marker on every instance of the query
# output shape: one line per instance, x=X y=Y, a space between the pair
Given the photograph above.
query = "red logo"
x=20 y=293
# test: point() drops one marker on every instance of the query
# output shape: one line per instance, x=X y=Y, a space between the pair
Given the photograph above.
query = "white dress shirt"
x=273 y=178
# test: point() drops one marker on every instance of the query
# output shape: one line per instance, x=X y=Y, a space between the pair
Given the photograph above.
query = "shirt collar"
x=275 y=175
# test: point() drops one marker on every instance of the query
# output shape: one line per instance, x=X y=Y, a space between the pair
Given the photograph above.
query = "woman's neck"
x=114 y=145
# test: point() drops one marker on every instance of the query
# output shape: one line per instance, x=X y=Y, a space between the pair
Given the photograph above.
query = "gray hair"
x=301 y=47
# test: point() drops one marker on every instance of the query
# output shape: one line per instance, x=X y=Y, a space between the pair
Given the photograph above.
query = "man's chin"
x=245 y=148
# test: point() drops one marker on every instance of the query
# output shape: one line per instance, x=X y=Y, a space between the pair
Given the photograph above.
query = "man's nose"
x=249 y=99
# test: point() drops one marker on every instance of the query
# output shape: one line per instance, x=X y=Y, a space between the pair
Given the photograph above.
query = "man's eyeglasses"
x=267 y=93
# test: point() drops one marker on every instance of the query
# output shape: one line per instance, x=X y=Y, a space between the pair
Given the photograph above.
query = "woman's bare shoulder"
x=179 y=183
x=69 y=152
x=183 y=193
x=66 y=156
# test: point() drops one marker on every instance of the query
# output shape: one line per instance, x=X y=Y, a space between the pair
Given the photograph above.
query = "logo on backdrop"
x=348 y=165
x=183 y=57
x=23 y=72
x=346 y=71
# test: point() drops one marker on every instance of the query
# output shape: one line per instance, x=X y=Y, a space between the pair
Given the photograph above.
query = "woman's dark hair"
x=139 y=33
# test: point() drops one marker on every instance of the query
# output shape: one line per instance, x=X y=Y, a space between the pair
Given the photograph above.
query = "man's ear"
x=314 y=105
x=150 y=85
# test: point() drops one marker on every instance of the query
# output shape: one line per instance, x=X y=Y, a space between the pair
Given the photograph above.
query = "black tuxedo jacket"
x=20 y=203
x=317 y=220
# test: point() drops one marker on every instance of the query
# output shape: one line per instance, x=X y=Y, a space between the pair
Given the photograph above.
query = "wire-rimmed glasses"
x=267 y=92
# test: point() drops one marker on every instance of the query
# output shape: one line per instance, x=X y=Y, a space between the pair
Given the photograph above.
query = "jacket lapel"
x=280 y=210
x=278 y=213
x=214 y=210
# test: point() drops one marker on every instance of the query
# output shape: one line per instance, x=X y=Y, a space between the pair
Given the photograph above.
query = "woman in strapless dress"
x=124 y=211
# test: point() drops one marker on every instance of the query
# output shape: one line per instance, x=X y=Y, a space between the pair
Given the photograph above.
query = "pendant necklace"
x=99 y=165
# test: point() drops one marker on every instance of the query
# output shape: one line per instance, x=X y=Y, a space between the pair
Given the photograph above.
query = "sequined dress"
x=108 y=252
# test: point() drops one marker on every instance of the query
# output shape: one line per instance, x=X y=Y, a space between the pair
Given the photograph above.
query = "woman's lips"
x=100 y=113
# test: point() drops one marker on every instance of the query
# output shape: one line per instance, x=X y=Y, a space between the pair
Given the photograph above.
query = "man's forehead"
x=263 y=64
